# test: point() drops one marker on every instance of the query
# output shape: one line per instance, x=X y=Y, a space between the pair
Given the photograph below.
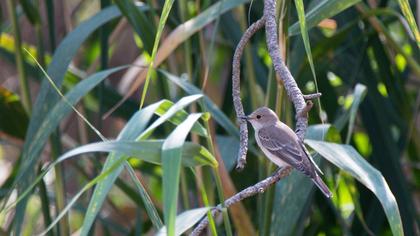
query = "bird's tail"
x=322 y=186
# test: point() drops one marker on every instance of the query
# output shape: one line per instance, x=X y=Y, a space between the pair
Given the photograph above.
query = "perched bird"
x=282 y=146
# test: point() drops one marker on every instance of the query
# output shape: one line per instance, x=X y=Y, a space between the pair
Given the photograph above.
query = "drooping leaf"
x=348 y=159
x=134 y=130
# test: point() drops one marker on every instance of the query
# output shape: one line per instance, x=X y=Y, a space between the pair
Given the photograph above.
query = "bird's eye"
x=258 y=117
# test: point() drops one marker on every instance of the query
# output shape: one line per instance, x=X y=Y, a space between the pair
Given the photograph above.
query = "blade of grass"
x=406 y=10
x=171 y=160
x=23 y=80
x=149 y=151
x=304 y=32
x=179 y=35
x=164 y=16
x=134 y=130
x=47 y=96
x=323 y=10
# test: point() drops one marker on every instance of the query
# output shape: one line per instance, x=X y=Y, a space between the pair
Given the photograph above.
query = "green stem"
x=23 y=79
x=206 y=203
x=219 y=187
x=64 y=228
x=45 y=203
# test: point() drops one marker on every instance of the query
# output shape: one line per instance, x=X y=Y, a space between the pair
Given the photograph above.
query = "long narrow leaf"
x=406 y=10
x=134 y=130
x=348 y=159
x=165 y=13
x=323 y=10
x=171 y=160
x=47 y=96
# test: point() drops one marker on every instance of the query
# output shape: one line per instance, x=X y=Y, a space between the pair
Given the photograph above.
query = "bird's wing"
x=286 y=147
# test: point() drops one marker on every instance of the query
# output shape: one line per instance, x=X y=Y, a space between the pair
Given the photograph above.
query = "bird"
x=282 y=146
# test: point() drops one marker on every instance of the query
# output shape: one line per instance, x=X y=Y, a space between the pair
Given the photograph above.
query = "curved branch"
x=293 y=91
x=236 y=75
x=260 y=187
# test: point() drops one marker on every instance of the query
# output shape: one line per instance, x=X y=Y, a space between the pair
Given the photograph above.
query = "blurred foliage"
x=172 y=160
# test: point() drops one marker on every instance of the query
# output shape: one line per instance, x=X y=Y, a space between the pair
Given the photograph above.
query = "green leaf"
x=304 y=32
x=186 y=220
x=216 y=113
x=228 y=147
x=406 y=10
x=348 y=159
x=58 y=112
x=323 y=10
x=139 y=21
x=47 y=97
x=148 y=150
x=180 y=116
x=171 y=159
x=162 y=21
x=134 y=130
x=183 y=102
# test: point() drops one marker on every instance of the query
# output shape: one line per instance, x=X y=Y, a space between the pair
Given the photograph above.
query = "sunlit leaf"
x=171 y=159
x=348 y=159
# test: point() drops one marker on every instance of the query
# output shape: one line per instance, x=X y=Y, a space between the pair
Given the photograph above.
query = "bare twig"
x=236 y=74
x=260 y=187
x=312 y=96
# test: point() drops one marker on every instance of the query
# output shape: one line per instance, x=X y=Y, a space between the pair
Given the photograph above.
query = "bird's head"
x=262 y=117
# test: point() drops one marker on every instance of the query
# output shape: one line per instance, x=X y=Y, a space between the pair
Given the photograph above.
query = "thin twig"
x=260 y=187
x=312 y=96
x=236 y=74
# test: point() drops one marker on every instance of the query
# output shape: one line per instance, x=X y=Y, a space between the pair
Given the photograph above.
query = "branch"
x=260 y=187
x=236 y=75
x=293 y=91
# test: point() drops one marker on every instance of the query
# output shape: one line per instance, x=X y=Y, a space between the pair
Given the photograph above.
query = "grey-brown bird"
x=282 y=146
